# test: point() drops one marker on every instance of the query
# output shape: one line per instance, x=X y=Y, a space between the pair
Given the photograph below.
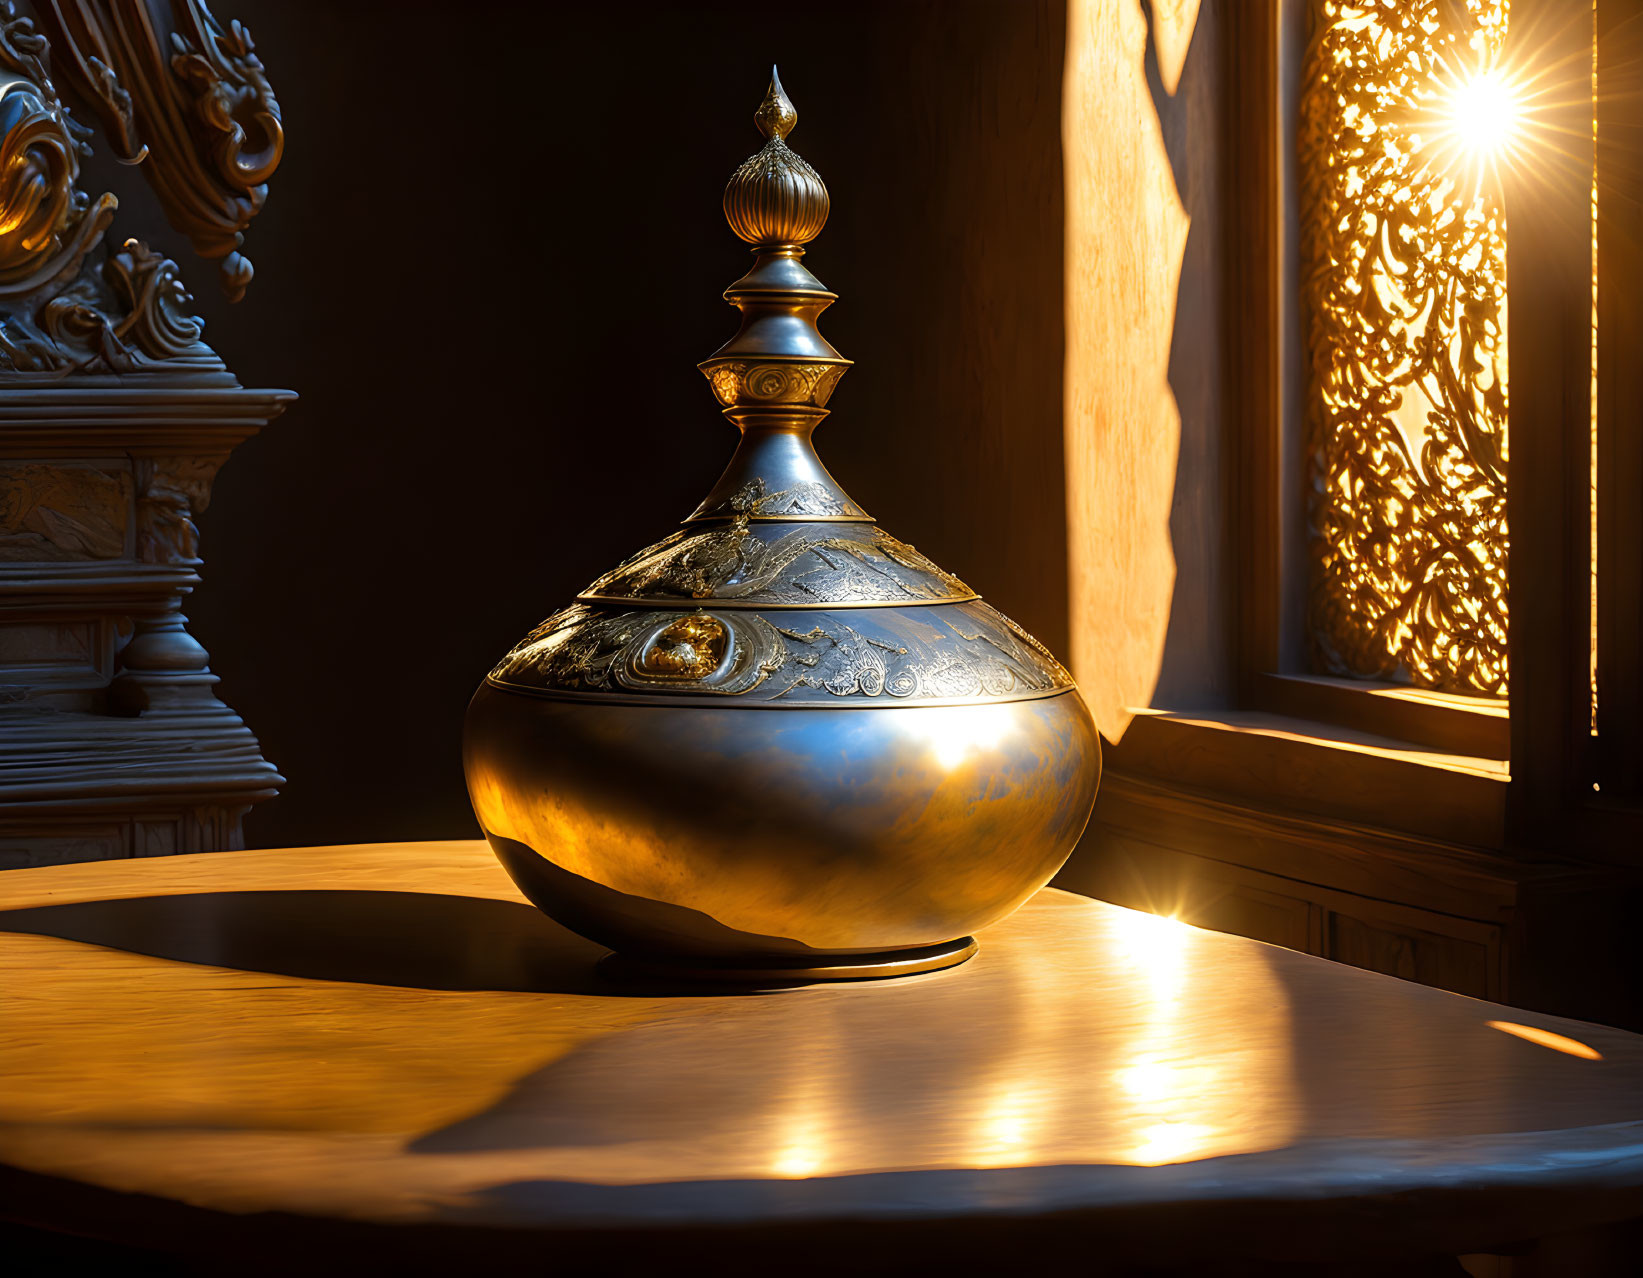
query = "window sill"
x=1448 y=724
x=1301 y=766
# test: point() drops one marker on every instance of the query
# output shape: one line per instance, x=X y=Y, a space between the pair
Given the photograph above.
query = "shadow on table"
x=414 y=940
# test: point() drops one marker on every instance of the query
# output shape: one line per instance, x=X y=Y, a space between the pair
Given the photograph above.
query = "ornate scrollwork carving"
x=37 y=171
x=781 y=565
x=961 y=653
x=176 y=76
x=1405 y=287
x=127 y=315
x=173 y=86
x=234 y=104
x=150 y=288
x=46 y=223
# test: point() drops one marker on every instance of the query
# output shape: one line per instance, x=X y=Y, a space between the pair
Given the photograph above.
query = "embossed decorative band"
x=683 y=700
x=802 y=501
x=958 y=653
x=779 y=565
x=738 y=382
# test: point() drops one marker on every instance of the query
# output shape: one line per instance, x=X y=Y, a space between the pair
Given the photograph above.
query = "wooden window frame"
x=1372 y=740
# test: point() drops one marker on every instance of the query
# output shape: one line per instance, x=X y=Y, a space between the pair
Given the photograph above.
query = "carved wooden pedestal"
x=112 y=739
x=114 y=417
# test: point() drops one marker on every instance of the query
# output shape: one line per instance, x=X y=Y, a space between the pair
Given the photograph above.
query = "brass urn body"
x=780 y=744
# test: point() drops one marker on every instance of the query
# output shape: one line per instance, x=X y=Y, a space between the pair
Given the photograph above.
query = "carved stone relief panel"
x=63 y=510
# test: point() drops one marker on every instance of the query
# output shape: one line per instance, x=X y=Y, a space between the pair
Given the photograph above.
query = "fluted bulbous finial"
x=775 y=197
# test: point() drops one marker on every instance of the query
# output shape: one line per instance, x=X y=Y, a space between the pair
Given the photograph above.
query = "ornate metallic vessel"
x=780 y=744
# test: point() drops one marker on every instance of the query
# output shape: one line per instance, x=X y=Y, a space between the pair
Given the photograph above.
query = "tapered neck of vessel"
x=774 y=377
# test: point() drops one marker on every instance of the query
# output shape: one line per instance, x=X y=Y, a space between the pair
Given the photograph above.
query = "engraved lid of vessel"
x=778 y=532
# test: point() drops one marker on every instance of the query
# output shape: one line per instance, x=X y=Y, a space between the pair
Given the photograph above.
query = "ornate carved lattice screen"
x=1404 y=304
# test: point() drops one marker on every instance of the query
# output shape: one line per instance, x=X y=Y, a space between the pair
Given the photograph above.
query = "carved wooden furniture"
x=383 y=1051
x=114 y=419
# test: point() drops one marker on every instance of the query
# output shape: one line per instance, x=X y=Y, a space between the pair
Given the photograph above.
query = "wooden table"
x=382 y=1050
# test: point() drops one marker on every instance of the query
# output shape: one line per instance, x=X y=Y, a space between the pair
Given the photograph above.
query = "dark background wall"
x=489 y=263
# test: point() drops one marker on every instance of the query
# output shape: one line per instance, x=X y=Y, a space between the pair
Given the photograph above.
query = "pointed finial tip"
x=775 y=116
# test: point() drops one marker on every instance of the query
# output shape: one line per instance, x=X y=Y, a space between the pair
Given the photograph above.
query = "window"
x=1430 y=457
x=1422 y=529
x=1404 y=111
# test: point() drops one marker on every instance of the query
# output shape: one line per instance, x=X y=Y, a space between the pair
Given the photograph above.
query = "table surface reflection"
x=389 y=1035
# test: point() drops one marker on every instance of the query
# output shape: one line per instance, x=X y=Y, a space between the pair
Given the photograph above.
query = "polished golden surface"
x=388 y=1033
x=816 y=839
x=932 y=765
x=1404 y=281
